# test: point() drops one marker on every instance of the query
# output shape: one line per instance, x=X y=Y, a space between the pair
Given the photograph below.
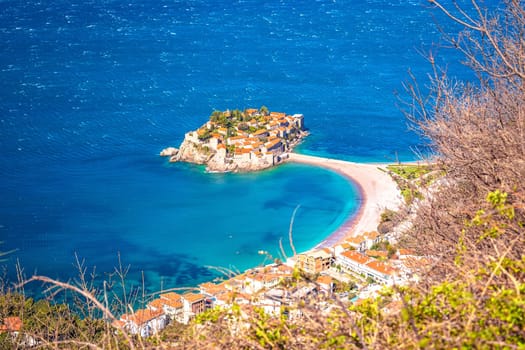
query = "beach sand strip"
x=377 y=192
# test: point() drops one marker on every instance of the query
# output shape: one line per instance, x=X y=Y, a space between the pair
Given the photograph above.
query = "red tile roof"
x=172 y=303
x=272 y=144
x=381 y=267
x=212 y=288
x=229 y=297
x=324 y=279
x=261 y=132
x=142 y=316
x=377 y=253
x=285 y=269
x=193 y=297
x=170 y=296
x=156 y=304
x=355 y=240
x=11 y=324
x=371 y=235
x=355 y=256
x=234 y=138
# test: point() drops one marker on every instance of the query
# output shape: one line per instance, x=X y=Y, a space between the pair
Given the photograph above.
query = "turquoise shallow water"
x=172 y=221
x=91 y=91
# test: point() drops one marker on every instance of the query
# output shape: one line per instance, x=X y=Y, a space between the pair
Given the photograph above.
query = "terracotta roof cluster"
x=370 y=263
x=212 y=288
x=277 y=114
x=243 y=285
x=230 y=297
x=276 y=126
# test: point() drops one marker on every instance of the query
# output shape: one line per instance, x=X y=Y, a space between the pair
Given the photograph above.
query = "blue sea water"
x=91 y=91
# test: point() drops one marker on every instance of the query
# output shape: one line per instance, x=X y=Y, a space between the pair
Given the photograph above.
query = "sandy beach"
x=377 y=192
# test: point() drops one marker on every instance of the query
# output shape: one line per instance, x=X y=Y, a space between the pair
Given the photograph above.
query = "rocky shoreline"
x=253 y=140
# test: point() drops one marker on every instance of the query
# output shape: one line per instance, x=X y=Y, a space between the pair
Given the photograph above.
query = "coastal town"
x=349 y=272
x=354 y=264
x=248 y=140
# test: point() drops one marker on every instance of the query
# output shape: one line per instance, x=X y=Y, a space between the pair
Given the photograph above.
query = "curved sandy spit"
x=377 y=191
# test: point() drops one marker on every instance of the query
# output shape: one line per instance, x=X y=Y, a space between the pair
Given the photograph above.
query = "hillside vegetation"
x=472 y=226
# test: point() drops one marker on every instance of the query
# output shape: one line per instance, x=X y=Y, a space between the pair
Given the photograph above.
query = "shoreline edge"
x=377 y=192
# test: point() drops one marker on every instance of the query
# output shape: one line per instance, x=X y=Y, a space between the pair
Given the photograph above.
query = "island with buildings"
x=240 y=141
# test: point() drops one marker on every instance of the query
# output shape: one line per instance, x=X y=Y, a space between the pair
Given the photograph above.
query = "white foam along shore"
x=377 y=192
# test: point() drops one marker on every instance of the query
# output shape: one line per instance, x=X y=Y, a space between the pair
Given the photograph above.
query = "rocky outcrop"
x=169 y=152
x=194 y=153
x=188 y=152
x=223 y=164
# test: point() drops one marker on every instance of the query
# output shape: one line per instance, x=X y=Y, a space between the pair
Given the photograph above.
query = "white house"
x=254 y=282
x=221 y=151
x=213 y=142
x=260 y=133
x=380 y=271
x=371 y=238
x=326 y=284
x=274 y=145
x=357 y=242
x=144 y=322
x=352 y=261
x=270 y=306
x=193 y=304
x=299 y=121
x=171 y=304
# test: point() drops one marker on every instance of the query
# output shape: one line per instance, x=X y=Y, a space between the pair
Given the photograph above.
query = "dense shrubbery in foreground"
x=473 y=297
